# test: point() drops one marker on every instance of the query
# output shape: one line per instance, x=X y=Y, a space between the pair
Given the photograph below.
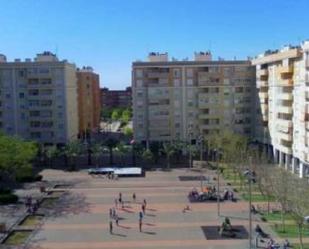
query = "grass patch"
x=32 y=220
x=297 y=246
x=48 y=202
x=257 y=197
x=276 y=216
x=17 y=237
x=291 y=231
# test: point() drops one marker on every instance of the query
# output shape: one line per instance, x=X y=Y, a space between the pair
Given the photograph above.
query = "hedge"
x=8 y=199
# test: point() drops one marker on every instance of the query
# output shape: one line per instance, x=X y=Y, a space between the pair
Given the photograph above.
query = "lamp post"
x=190 y=147
x=218 y=183
x=250 y=202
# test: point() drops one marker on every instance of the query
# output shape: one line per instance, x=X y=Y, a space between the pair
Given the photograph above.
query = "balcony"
x=286 y=136
x=263 y=95
x=158 y=74
x=261 y=83
x=286 y=82
x=262 y=72
x=285 y=96
x=285 y=70
x=286 y=123
x=285 y=109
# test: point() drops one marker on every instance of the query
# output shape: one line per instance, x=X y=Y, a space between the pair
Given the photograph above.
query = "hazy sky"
x=109 y=35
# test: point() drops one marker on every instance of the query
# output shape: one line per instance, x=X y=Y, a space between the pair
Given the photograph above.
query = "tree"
x=111 y=143
x=16 y=155
x=299 y=203
x=122 y=149
x=71 y=151
x=51 y=153
x=116 y=114
x=281 y=183
x=128 y=132
x=169 y=150
x=147 y=155
x=97 y=150
x=126 y=116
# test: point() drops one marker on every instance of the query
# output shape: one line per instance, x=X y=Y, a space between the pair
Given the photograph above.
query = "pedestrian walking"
x=110 y=213
x=116 y=203
x=113 y=213
x=134 y=197
x=140 y=215
x=143 y=209
x=140 y=225
x=111 y=227
x=117 y=220
x=120 y=195
x=145 y=203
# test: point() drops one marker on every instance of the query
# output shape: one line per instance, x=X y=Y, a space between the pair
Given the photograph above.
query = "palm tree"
x=122 y=149
x=111 y=143
x=51 y=153
x=71 y=151
x=96 y=150
x=169 y=150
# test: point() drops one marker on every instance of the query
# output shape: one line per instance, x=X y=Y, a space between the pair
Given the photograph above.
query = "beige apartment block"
x=38 y=99
x=183 y=100
x=282 y=119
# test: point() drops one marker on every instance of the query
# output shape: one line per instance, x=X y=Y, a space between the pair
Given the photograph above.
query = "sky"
x=110 y=35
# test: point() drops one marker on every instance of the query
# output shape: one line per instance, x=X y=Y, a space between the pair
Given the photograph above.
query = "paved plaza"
x=80 y=218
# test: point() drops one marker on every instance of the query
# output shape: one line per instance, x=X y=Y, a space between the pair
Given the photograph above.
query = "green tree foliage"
x=51 y=153
x=128 y=132
x=16 y=155
x=147 y=155
x=111 y=143
x=126 y=116
x=116 y=114
x=71 y=151
x=169 y=150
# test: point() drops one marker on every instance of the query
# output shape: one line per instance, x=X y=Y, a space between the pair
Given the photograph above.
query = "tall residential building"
x=182 y=100
x=38 y=99
x=89 y=106
x=116 y=98
x=283 y=106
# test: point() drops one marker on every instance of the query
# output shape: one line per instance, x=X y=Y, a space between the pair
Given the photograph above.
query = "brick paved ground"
x=81 y=217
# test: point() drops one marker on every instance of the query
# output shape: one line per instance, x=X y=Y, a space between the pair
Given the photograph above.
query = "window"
x=34 y=113
x=8 y=95
x=189 y=82
x=139 y=73
x=189 y=72
x=33 y=92
x=21 y=95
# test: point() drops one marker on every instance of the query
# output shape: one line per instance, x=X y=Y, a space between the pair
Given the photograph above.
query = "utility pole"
x=250 y=202
x=190 y=148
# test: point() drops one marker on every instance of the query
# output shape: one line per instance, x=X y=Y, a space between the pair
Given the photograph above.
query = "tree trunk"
x=300 y=234
x=268 y=204
x=168 y=161
x=111 y=156
x=283 y=218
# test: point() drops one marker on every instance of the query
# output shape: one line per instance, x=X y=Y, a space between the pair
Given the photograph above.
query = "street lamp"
x=250 y=202
x=190 y=147
x=218 y=182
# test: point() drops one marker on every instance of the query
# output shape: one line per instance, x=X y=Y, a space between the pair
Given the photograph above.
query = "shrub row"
x=8 y=199
x=31 y=178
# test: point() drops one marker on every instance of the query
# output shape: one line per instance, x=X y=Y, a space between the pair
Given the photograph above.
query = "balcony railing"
x=285 y=69
x=285 y=96
x=285 y=109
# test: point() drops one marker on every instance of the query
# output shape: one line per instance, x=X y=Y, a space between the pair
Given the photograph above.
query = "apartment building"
x=116 y=98
x=38 y=99
x=89 y=106
x=282 y=119
x=184 y=100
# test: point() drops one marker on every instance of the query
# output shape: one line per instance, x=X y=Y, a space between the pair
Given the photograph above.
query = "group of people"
x=228 y=195
x=31 y=205
x=271 y=244
x=120 y=202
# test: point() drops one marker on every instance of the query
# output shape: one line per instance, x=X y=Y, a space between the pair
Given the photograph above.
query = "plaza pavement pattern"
x=80 y=218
